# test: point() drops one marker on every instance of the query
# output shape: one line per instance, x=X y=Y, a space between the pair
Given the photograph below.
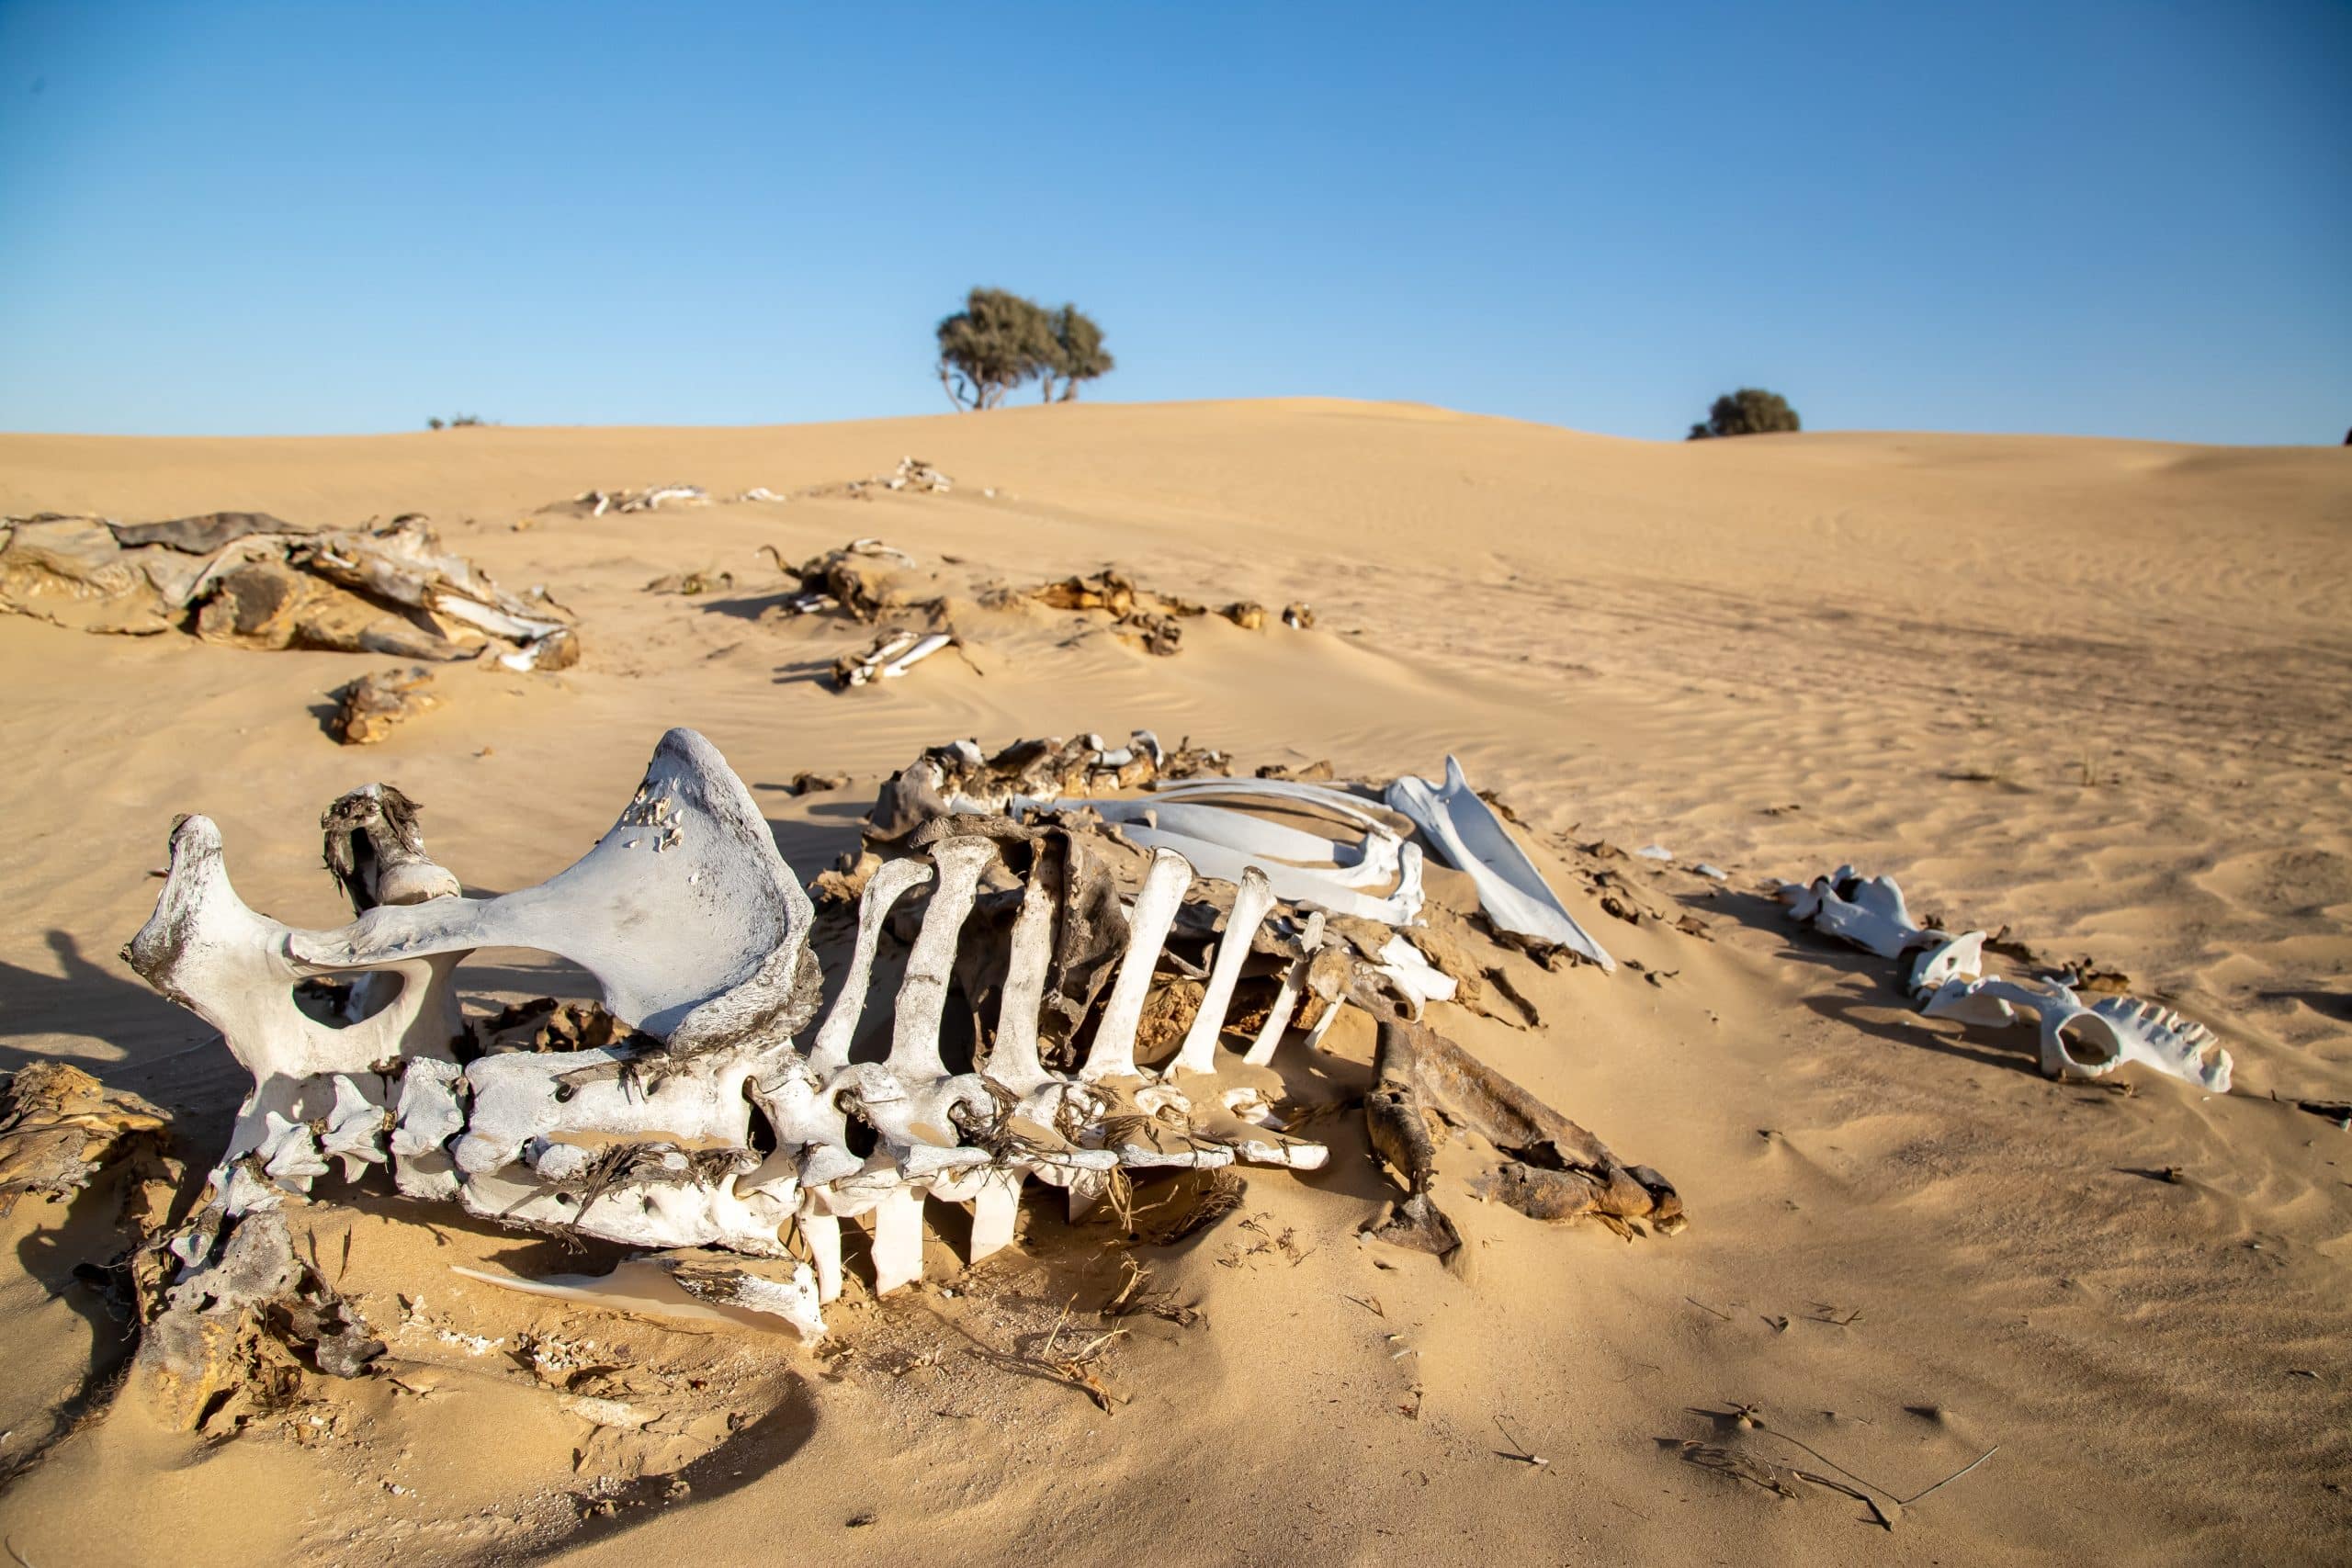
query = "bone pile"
x=699 y=936
x=1947 y=979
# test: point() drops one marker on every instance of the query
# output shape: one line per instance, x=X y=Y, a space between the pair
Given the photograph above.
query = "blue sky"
x=2130 y=220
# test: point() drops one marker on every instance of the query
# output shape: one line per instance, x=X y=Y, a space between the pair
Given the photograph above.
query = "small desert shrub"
x=1751 y=411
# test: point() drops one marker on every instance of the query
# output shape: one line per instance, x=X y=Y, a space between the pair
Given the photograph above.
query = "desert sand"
x=2093 y=690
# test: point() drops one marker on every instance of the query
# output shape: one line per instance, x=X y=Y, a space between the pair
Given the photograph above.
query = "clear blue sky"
x=2130 y=219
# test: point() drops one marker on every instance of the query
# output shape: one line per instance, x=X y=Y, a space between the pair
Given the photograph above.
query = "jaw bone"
x=2080 y=1041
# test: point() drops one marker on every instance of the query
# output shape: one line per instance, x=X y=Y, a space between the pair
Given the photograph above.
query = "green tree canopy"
x=1079 y=355
x=999 y=340
x=1751 y=411
x=991 y=346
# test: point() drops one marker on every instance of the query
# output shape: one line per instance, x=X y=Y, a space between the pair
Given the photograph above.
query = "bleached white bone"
x=1966 y=1000
x=1252 y=898
x=1294 y=884
x=1013 y=1060
x=894 y=656
x=205 y=949
x=2078 y=1041
x=1954 y=958
x=1113 y=1052
x=1374 y=862
x=1415 y=975
x=1294 y=983
x=923 y=994
x=686 y=900
x=891 y=881
x=1875 y=919
x=1376 y=878
x=1464 y=829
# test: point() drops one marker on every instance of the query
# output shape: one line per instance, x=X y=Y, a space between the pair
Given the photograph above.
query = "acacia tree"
x=1079 y=355
x=999 y=340
x=991 y=346
x=1751 y=411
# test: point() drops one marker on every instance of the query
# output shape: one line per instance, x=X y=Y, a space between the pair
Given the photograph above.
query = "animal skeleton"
x=697 y=933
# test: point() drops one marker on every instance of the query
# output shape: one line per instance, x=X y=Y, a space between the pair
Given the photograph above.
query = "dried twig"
x=1520 y=1450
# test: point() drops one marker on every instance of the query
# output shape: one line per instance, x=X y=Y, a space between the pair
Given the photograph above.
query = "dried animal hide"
x=59 y=1127
x=237 y=1339
x=862 y=578
x=1554 y=1169
x=252 y=582
x=1150 y=620
x=368 y=709
x=1035 y=770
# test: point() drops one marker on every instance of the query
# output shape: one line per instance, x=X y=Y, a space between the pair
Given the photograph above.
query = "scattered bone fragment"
x=1153 y=621
x=1299 y=615
x=891 y=655
x=911 y=475
x=59 y=1127
x=596 y=502
x=368 y=709
x=1945 y=974
x=816 y=783
x=704 y=580
x=1464 y=829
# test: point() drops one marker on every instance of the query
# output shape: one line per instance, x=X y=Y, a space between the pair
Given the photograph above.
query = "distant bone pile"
x=1947 y=979
x=912 y=474
x=248 y=580
x=868 y=582
x=1061 y=1014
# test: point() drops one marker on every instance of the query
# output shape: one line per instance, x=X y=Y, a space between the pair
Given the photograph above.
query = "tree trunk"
x=948 y=387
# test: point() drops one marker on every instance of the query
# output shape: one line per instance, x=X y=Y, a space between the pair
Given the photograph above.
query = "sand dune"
x=2094 y=690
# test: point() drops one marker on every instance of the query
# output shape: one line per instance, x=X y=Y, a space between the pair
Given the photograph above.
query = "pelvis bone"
x=710 y=1126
